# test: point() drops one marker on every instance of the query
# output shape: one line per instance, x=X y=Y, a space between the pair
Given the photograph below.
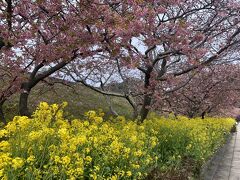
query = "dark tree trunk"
x=194 y=111
x=112 y=111
x=145 y=107
x=190 y=114
x=147 y=95
x=2 y=44
x=2 y=116
x=203 y=114
x=23 y=101
x=135 y=113
x=23 y=104
x=34 y=79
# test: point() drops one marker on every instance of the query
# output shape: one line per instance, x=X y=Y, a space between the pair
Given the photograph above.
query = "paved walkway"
x=226 y=165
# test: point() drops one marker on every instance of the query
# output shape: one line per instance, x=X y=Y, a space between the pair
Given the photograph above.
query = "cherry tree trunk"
x=145 y=107
x=2 y=116
x=23 y=101
x=147 y=99
x=135 y=113
x=203 y=114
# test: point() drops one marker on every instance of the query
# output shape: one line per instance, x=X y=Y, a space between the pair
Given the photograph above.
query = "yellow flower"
x=138 y=153
x=97 y=168
x=66 y=160
x=76 y=123
x=129 y=173
x=135 y=166
x=79 y=171
x=133 y=139
x=87 y=150
x=64 y=104
x=37 y=174
x=121 y=173
x=4 y=146
x=88 y=159
x=54 y=107
x=102 y=149
x=93 y=176
x=43 y=106
x=3 y=133
x=121 y=119
x=34 y=135
x=31 y=159
x=55 y=170
x=127 y=150
x=11 y=127
x=114 y=177
x=57 y=159
x=189 y=146
x=63 y=133
x=86 y=123
x=22 y=121
x=72 y=178
x=98 y=120
x=101 y=113
x=17 y=162
x=1 y=172
x=90 y=114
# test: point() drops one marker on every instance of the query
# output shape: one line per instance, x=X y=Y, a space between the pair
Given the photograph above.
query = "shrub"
x=48 y=146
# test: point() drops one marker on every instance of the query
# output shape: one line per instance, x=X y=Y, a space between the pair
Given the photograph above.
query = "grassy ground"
x=79 y=98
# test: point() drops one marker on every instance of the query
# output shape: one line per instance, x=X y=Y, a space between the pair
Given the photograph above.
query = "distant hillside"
x=79 y=98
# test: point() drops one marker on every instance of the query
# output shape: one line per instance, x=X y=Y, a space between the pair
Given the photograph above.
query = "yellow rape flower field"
x=49 y=146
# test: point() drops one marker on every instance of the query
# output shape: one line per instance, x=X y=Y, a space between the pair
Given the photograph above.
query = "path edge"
x=214 y=159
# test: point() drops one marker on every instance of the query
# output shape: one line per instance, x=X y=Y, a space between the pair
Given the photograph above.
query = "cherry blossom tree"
x=210 y=90
x=159 y=39
x=191 y=35
x=10 y=71
x=46 y=35
x=170 y=39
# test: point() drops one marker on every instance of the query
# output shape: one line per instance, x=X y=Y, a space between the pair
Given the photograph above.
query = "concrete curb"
x=209 y=169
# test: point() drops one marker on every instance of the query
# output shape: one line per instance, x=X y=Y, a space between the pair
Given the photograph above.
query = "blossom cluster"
x=49 y=146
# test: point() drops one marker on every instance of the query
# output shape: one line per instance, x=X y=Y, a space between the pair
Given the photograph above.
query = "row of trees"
x=170 y=48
